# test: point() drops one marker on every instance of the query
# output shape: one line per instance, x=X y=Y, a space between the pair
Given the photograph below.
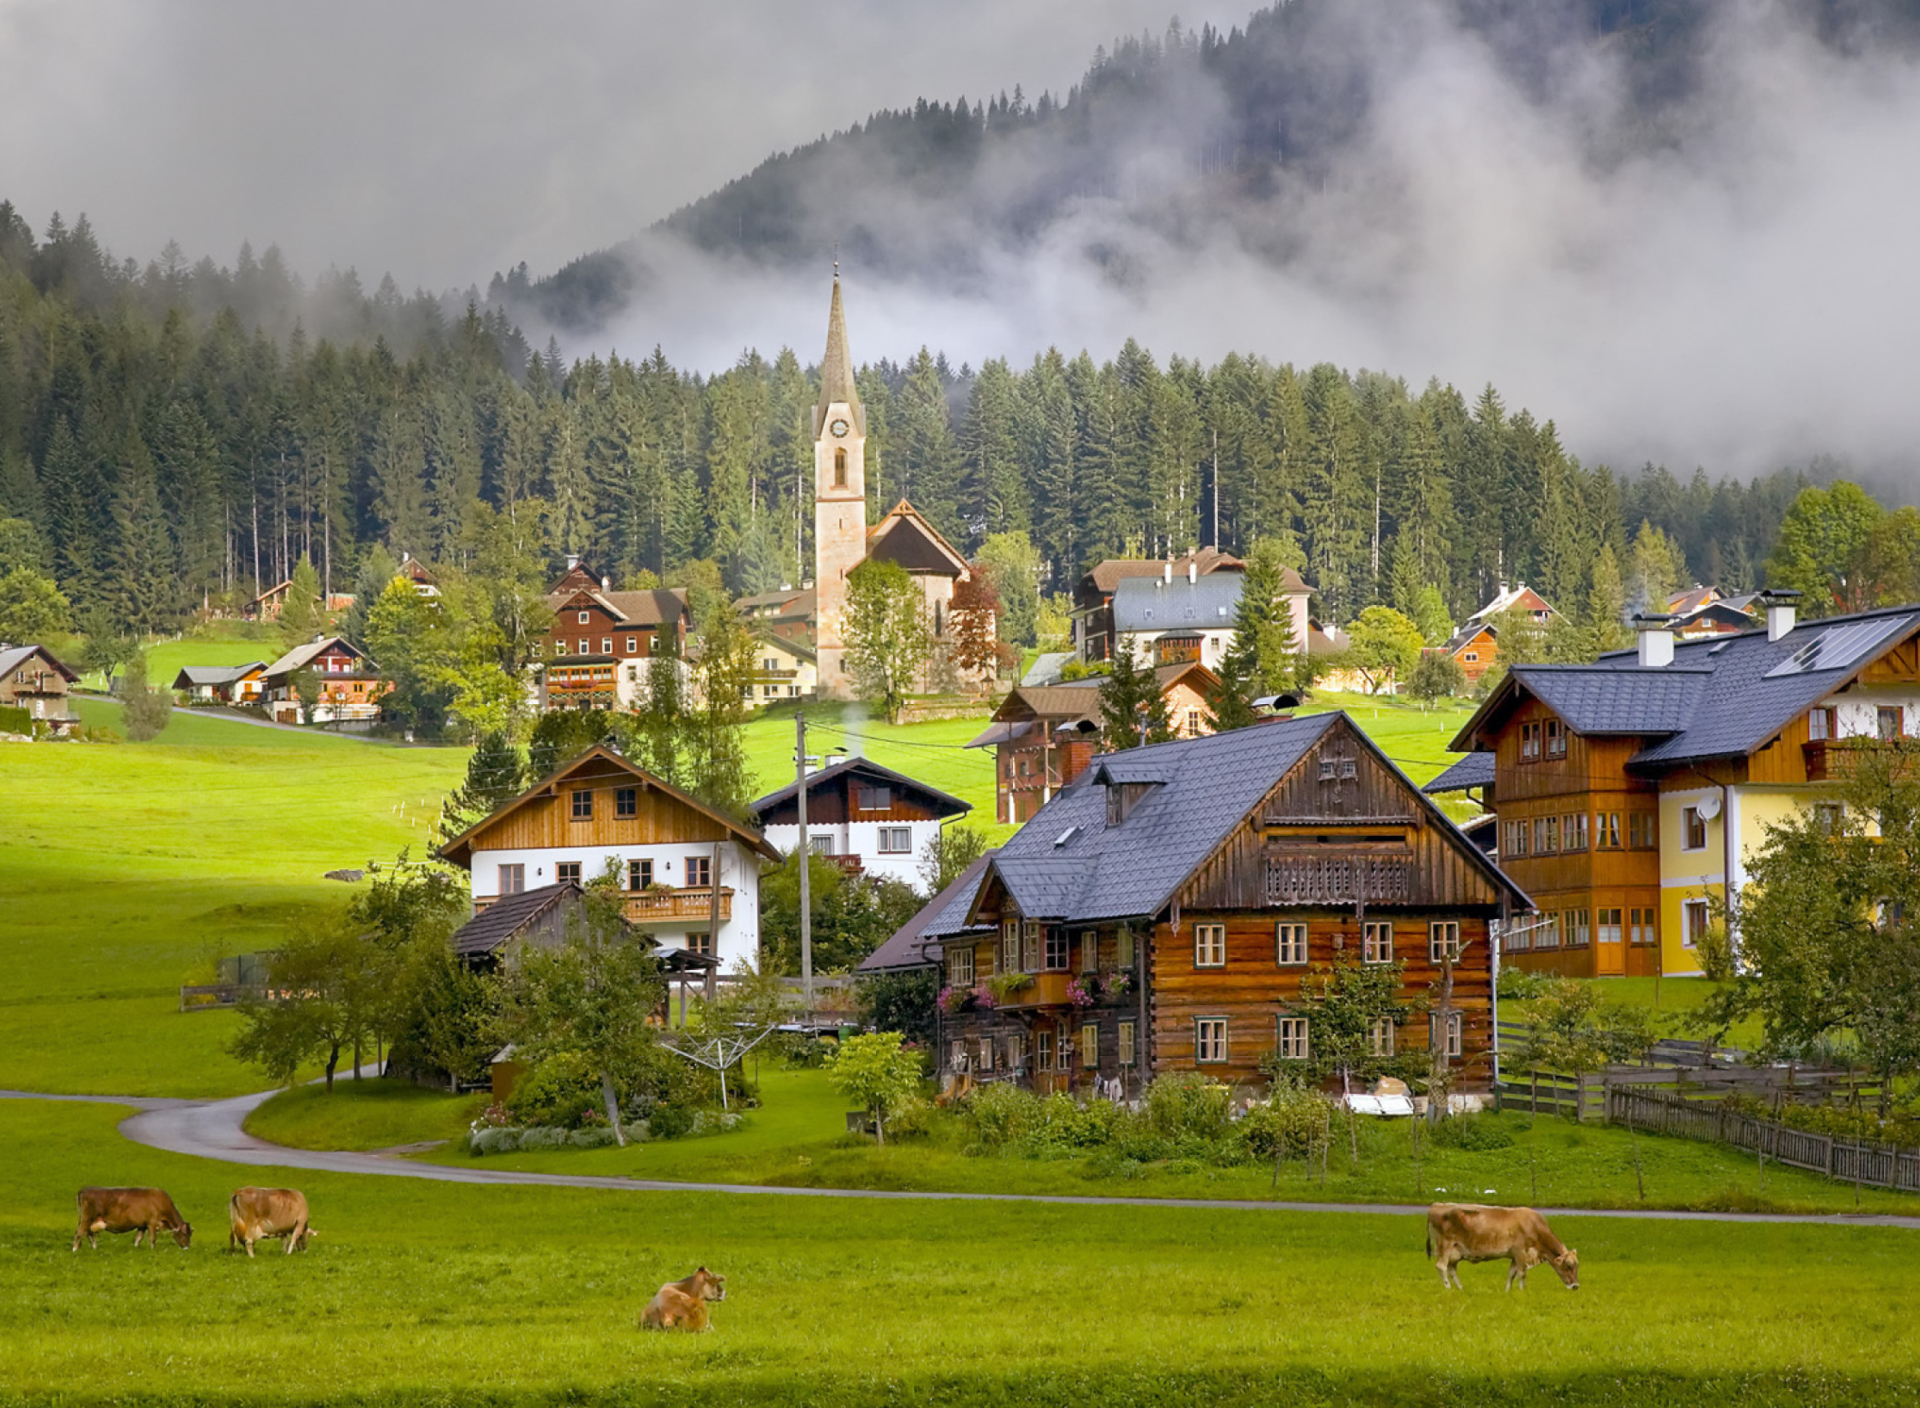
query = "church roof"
x=907 y=537
x=836 y=369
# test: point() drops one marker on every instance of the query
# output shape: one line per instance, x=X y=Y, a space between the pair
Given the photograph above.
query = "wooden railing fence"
x=1863 y=1161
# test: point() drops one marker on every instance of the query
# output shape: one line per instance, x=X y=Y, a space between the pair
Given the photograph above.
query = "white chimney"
x=1168 y=567
x=1780 y=611
x=573 y=561
x=1656 y=640
x=1193 y=571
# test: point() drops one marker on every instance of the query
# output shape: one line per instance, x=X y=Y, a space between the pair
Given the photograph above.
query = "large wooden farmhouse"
x=349 y=683
x=1631 y=792
x=690 y=874
x=33 y=680
x=1162 y=911
x=602 y=643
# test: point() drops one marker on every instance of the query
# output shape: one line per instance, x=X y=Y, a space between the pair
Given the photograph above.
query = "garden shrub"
x=1520 y=985
x=508 y=1140
x=912 y=1116
x=671 y=1121
x=1002 y=1114
x=1835 y=1121
x=1291 y=1124
x=1187 y=1103
x=558 y=1092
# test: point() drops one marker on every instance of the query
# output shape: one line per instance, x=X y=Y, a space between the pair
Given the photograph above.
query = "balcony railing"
x=1046 y=990
x=694 y=902
x=1832 y=758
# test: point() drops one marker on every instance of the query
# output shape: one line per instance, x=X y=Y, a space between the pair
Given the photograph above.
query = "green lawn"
x=422 y=1293
x=127 y=870
x=216 y=643
x=797 y=1139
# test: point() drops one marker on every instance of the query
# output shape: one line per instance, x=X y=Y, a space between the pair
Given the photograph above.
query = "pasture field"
x=126 y=870
x=420 y=1293
x=797 y=1139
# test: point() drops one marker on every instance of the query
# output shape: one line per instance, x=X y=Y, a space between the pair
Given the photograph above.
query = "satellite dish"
x=1709 y=808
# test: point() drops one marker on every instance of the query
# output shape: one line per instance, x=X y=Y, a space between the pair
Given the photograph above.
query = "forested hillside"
x=176 y=434
x=1186 y=135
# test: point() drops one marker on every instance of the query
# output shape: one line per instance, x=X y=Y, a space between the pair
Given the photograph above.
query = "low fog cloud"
x=1741 y=295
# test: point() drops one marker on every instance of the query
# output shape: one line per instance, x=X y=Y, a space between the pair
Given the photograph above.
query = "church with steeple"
x=841 y=538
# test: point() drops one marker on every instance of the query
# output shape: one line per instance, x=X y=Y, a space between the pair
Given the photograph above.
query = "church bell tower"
x=839 y=499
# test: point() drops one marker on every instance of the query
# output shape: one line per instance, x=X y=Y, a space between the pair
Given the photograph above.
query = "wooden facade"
x=1341 y=845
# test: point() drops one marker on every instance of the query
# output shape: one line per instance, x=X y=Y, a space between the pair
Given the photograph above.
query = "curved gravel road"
x=212 y=1129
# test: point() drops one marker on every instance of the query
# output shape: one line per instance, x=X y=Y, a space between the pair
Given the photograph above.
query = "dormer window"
x=1123 y=797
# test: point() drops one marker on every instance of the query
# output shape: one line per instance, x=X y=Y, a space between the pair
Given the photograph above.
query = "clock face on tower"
x=839 y=429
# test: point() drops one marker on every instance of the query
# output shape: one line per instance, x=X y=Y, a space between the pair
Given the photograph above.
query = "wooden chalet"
x=221 y=684
x=1163 y=910
x=419 y=574
x=690 y=874
x=351 y=685
x=1044 y=736
x=1631 y=793
x=871 y=819
x=31 y=678
x=602 y=643
x=1477 y=648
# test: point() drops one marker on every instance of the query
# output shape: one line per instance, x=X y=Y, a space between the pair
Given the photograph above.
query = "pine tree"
x=73 y=495
x=1132 y=708
x=1603 y=621
x=1230 y=705
x=144 y=709
x=146 y=582
x=303 y=615
x=495 y=776
x=993 y=490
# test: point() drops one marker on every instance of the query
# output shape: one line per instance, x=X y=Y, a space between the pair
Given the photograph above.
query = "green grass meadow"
x=421 y=1293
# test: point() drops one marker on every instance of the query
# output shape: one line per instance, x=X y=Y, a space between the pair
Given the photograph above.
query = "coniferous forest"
x=178 y=434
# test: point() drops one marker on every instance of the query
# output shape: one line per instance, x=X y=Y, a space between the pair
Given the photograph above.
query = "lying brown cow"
x=253 y=1213
x=1458 y=1232
x=682 y=1304
x=145 y=1212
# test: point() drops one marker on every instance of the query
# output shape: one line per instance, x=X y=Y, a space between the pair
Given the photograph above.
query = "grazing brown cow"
x=682 y=1305
x=253 y=1213
x=145 y=1212
x=1458 y=1232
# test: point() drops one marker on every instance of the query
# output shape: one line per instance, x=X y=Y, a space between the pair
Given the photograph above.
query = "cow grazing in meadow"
x=253 y=1213
x=1458 y=1232
x=682 y=1304
x=145 y=1212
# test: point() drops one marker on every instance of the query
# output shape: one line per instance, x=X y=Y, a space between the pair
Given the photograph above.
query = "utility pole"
x=806 y=862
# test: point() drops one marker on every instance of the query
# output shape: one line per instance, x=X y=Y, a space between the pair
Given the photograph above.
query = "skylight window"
x=1066 y=836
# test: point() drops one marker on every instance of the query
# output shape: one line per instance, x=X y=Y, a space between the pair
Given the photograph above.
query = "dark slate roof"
x=1068 y=864
x=871 y=771
x=1154 y=604
x=17 y=657
x=192 y=675
x=945 y=913
x=508 y=915
x=1723 y=696
x=1598 y=699
x=1472 y=770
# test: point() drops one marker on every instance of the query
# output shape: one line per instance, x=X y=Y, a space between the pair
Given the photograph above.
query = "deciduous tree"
x=886 y=634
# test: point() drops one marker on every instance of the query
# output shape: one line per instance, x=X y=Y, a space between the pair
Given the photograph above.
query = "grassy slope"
x=423 y=1293
x=362 y=1114
x=130 y=868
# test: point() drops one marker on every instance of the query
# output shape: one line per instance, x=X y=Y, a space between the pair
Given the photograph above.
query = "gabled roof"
x=798 y=649
x=1471 y=771
x=504 y=919
x=1078 y=701
x=907 y=946
x=1068 y=864
x=1521 y=597
x=865 y=770
x=460 y=849
x=1723 y=696
x=17 y=656
x=302 y=655
x=1107 y=575
x=906 y=536
x=1046 y=667
x=275 y=590
x=1467 y=636
x=1692 y=599
x=642 y=608
x=193 y=676
x=779 y=598
x=1155 y=604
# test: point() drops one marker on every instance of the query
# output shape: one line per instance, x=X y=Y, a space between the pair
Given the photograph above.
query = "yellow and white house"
x=1633 y=792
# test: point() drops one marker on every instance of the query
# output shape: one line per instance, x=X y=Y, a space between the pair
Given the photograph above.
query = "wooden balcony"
x=1046 y=990
x=1830 y=759
x=694 y=902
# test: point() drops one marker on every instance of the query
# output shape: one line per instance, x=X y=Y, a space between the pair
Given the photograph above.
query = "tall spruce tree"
x=1133 y=711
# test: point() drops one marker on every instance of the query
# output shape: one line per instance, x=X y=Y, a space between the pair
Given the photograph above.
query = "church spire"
x=836 y=368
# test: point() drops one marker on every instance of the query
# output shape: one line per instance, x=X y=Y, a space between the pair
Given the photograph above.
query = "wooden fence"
x=1703 y=1069
x=1847 y=1160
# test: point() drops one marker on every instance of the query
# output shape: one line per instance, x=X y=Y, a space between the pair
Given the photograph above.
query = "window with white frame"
x=1209 y=1040
x=1292 y=1041
x=585 y=616
x=1289 y=945
x=1380 y=1036
x=1031 y=954
x=1056 y=949
x=1376 y=942
x=1010 y=946
x=1447 y=1033
x=895 y=841
x=1123 y=1048
x=1209 y=945
x=1693 y=923
x=960 y=966
x=1443 y=940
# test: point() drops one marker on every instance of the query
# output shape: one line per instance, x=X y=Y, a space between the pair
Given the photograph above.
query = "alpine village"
x=496 y=819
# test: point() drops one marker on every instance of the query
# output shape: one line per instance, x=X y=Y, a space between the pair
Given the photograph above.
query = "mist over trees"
x=175 y=435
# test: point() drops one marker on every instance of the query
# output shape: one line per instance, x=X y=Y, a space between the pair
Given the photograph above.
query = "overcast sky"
x=443 y=141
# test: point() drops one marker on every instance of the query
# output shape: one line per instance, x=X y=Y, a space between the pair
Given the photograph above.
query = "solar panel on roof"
x=1837 y=647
